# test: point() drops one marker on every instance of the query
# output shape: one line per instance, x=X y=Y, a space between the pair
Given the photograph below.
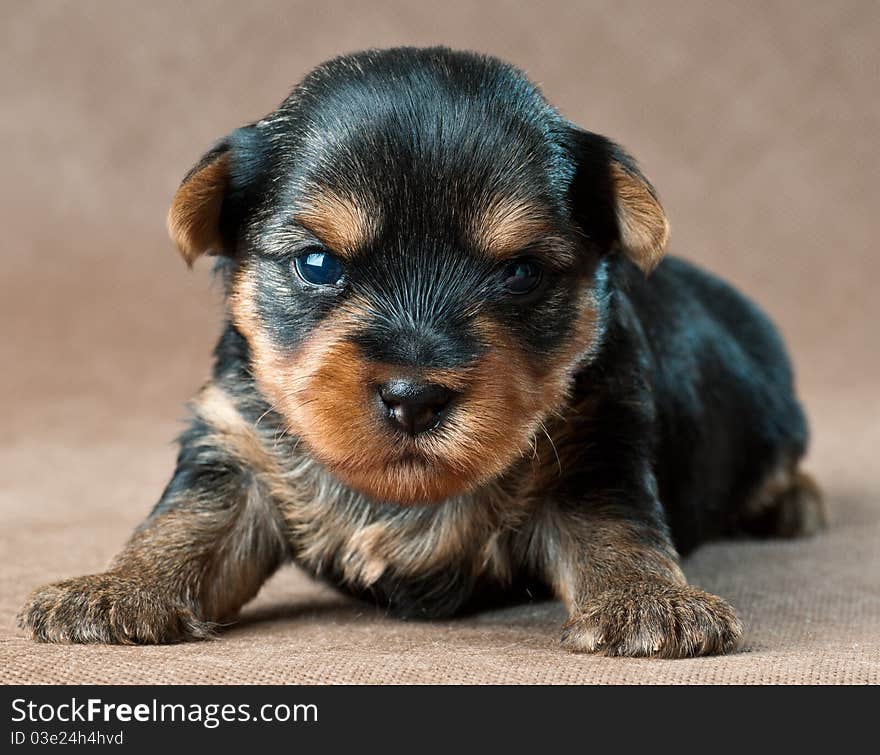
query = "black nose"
x=415 y=407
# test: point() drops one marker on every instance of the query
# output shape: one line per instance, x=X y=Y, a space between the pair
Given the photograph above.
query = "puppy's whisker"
x=553 y=446
x=268 y=411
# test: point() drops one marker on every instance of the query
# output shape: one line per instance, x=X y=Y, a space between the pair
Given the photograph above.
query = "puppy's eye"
x=318 y=267
x=521 y=276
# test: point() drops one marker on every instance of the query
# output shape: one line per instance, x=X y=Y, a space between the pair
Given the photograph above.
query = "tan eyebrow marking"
x=341 y=222
x=508 y=226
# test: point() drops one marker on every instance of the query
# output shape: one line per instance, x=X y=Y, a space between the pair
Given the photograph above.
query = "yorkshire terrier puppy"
x=454 y=367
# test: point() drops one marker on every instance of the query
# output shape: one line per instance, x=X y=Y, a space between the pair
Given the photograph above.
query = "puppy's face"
x=417 y=244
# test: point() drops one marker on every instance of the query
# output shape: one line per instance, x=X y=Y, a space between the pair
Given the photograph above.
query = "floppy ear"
x=614 y=203
x=211 y=199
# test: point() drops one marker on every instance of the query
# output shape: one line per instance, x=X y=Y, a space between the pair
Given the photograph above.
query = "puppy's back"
x=728 y=417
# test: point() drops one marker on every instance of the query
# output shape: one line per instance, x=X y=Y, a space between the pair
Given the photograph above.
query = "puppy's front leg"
x=205 y=550
x=618 y=574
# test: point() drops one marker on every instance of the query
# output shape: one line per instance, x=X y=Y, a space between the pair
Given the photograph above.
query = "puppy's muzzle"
x=415 y=407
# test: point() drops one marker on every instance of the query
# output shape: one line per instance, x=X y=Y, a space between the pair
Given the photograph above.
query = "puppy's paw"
x=108 y=608
x=796 y=510
x=650 y=619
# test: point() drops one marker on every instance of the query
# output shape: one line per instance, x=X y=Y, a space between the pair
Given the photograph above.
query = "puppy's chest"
x=336 y=532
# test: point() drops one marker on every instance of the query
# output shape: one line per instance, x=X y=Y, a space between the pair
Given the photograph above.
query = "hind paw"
x=795 y=509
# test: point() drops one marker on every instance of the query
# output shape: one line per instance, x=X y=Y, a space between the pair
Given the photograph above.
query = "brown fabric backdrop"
x=757 y=121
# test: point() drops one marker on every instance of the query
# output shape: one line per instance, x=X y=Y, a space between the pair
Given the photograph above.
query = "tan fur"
x=361 y=540
x=644 y=228
x=323 y=392
x=788 y=504
x=509 y=227
x=593 y=553
x=654 y=619
x=231 y=432
x=343 y=223
x=194 y=217
x=625 y=591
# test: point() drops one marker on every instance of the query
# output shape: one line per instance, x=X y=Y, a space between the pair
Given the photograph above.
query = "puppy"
x=446 y=376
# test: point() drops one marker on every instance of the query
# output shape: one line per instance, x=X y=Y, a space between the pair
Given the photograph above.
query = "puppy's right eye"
x=521 y=276
x=318 y=268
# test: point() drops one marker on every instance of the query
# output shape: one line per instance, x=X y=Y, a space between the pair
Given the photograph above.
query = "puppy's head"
x=417 y=244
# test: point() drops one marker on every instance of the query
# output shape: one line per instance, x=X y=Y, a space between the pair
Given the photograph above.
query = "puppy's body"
x=444 y=376
x=727 y=421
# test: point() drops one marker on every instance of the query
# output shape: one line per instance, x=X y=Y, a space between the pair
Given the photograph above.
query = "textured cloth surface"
x=758 y=123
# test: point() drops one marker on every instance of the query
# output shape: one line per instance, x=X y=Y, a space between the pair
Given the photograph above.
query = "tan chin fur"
x=323 y=391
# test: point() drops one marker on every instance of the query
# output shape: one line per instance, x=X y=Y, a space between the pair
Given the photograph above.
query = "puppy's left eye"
x=318 y=267
x=521 y=276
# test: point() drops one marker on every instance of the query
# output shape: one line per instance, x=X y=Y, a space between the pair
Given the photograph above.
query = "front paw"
x=649 y=619
x=108 y=608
